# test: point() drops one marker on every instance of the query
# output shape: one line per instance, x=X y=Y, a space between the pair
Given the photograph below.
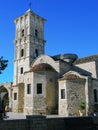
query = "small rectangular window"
x=62 y=93
x=15 y=96
x=28 y=88
x=39 y=88
x=21 y=70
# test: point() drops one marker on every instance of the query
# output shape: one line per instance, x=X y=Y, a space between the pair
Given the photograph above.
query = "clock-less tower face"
x=29 y=42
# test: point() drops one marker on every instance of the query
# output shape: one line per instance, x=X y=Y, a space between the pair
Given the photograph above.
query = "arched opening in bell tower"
x=36 y=33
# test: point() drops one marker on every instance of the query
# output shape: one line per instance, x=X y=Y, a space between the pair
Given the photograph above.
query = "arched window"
x=95 y=95
x=22 y=52
x=36 y=33
x=22 y=33
x=36 y=52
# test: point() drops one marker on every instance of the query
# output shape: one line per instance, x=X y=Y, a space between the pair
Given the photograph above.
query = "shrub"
x=82 y=105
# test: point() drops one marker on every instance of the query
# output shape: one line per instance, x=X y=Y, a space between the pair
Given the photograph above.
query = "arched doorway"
x=4 y=100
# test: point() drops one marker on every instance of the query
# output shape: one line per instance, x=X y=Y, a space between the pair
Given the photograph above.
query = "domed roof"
x=69 y=58
x=41 y=67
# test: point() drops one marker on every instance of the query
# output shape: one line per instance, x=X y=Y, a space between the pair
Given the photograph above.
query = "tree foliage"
x=3 y=64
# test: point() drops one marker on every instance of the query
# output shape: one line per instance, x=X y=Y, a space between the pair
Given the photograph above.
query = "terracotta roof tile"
x=71 y=77
x=41 y=67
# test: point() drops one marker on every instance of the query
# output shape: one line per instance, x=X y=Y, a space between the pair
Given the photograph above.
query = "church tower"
x=29 y=43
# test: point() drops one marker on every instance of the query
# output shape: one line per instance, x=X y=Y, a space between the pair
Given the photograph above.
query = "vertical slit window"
x=36 y=52
x=21 y=70
x=28 y=88
x=62 y=93
x=36 y=33
x=22 y=52
x=95 y=95
x=15 y=96
x=22 y=33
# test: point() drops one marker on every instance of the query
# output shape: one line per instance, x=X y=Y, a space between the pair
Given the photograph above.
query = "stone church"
x=45 y=84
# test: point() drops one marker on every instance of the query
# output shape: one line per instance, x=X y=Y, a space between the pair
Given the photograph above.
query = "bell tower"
x=29 y=42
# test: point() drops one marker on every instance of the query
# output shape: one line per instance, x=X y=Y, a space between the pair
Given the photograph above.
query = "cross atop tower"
x=30 y=5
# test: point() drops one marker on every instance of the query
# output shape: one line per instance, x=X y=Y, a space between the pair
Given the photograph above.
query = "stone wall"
x=14 y=125
x=18 y=103
x=62 y=102
x=74 y=93
x=14 y=102
x=51 y=93
x=39 y=99
x=21 y=97
x=46 y=102
x=94 y=104
x=39 y=122
x=90 y=67
x=71 y=123
x=28 y=98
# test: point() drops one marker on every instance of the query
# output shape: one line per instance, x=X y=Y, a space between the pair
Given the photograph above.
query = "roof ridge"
x=86 y=59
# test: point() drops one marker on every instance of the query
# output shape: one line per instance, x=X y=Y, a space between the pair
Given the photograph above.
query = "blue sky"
x=71 y=27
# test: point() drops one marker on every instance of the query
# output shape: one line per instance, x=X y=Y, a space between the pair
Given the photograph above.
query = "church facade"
x=48 y=84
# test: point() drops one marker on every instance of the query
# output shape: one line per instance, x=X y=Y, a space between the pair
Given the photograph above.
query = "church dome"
x=69 y=58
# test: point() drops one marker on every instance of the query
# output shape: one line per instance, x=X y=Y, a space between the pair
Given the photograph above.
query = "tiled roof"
x=41 y=67
x=71 y=77
x=86 y=59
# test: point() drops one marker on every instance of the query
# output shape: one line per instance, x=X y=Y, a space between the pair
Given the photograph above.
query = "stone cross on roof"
x=30 y=5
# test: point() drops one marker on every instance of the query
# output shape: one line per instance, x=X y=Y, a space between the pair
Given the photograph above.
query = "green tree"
x=3 y=64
